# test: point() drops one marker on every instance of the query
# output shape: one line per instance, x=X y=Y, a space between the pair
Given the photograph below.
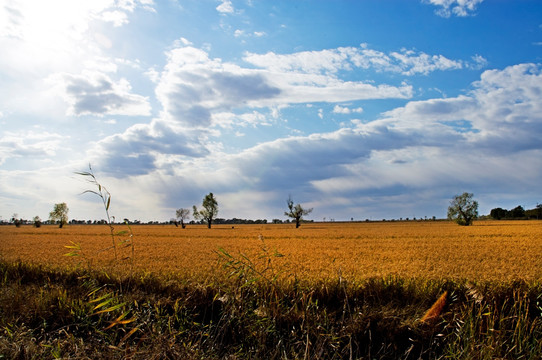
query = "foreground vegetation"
x=55 y=314
x=324 y=291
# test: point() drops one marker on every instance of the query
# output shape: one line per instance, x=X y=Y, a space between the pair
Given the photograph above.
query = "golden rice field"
x=488 y=250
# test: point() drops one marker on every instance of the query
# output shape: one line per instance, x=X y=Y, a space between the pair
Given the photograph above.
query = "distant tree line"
x=517 y=213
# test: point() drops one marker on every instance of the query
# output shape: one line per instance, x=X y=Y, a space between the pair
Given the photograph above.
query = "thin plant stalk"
x=105 y=195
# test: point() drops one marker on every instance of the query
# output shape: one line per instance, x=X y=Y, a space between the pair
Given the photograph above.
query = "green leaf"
x=112 y=308
x=102 y=304
x=100 y=298
x=74 y=246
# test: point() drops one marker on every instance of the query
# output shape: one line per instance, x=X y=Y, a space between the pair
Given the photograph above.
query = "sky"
x=373 y=109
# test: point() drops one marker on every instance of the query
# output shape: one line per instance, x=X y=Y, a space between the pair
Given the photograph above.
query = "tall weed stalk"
x=102 y=300
x=125 y=237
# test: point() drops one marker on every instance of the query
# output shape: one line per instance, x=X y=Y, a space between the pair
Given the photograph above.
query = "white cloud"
x=182 y=42
x=250 y=119
x=406 y=62
x=193 y=87
x=346 y=110
x=118 y=18
x=60 y=19
x=455 y=7
x=141 y=148
x=502 y=114
x=58 y=36
x=413 y=63
x=225 y=7
x=447 y=145
x=414 y=157
x=478 y=62
x=96 y=94
x=29 y=144
x=490 y=135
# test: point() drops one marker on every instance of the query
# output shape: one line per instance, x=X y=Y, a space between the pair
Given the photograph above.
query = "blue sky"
x=360 y=109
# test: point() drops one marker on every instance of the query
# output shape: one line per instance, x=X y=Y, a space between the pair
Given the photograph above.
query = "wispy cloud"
x=29 y=144
x=455 y=7
x=404 y=61
x=338 y=109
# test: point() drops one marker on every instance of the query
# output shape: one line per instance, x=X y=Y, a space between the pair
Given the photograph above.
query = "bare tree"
x=182 y=215
x=296 y=211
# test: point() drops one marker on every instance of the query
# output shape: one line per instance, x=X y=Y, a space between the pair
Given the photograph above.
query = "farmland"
x=491 y=250
x=323 y=291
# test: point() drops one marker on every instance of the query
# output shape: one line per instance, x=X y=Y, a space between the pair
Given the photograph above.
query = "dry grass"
x=489 y=250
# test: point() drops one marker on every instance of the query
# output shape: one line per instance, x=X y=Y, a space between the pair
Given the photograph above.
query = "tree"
x=296 y=211
x=498 y=213
x=16 y=221
x=209 y=211
x=37 y=221
x=518 y=212
x=182 y=215
x=463 y=209
x=60 y=214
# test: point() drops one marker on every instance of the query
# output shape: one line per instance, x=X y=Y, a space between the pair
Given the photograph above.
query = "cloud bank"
x=411 y=153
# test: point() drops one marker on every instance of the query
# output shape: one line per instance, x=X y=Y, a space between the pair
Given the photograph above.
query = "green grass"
x=46 y=313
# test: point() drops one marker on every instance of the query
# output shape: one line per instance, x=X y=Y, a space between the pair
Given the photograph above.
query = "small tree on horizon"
x=14 y=219
x=463 y=209
x=209 y=210
x=60 y=214
x=296 y=211
x=182 y=215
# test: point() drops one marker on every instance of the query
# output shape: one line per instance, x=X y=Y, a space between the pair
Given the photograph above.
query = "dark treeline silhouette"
x=517 y=213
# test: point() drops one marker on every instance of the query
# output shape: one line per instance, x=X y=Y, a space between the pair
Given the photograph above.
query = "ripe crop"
x=323 y=291
x=489 y=250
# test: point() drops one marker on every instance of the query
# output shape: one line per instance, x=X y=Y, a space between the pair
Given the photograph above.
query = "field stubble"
x=489 y=250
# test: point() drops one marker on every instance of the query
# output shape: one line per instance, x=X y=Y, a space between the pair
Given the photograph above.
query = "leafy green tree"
x=59 y=214
x=209 y=210
x=498 y=213
x=518 y=212
x=182 y=215
x=463 y=209
x=296 y=211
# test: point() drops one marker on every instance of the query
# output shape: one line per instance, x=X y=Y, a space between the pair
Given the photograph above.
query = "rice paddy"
x=489 y=250
x=378 y=290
